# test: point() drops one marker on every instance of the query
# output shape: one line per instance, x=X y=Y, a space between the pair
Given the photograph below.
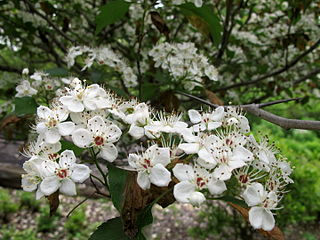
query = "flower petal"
x=68 y=187
x=109 y=152
x=80 y=173
x=136 y=131
x=44 y=112
x=183 y=172
x=52 y=135
x=67 y=159
x=160 y=156
x=195 y=116
x=196 y=198
x=143 y=180
x=253 y=195
x=183 y=190
x=261 y=218
x=189 y=148
x=113 y=133
x=66 y=128
x=160 y=176
x=49 y=185
x=216 y=186
x=82 y=138
x=97 y=125
x=222 y=172
x=72 y=104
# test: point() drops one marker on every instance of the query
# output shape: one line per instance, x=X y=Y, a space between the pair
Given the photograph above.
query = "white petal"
x=49 y=185
x=72 y=104
x=133 y=159
x=261 y=218
x=183 y=190
x=136 y=132
x=222 y=172
x=68 y=187
x=80 y=173
x=244 y=124
x=195 y=116
x=39 y=194
x=82 y=138
x=206 y=156
x=90 y=103
x=143 y=180
x=253 y=195
x=161 y=156
x=41 y=128
x=218 y=114
x=52 y=135
x=66 y=128
x=183 y=172
x=67 y=159
x=96 y=125
x=109 y=152
x=44 y=112
x=62 y=113
x=205 y=164
x=242 y=153
x=113 y=133
x=160 y=176
x=198 y=3
x=27 y=185
x=216 y=186
x=214 y=125
x=196 y=198
x=189 y=148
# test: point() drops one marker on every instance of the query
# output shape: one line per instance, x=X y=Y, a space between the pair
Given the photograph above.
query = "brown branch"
x=255 y=109
x=274 y=73
x=10 y=69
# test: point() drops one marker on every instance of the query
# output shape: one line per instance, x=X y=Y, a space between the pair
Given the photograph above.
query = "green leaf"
x=111 y=230
x=65 y=145
x=117 y=183
x=111 y=13
x=149 y=91
x=206 y=14
x=57 y=72
x=25 y=105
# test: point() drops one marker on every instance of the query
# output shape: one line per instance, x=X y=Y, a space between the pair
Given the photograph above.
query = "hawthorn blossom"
x=91 y=98
x=192 y=181
x=99 y=134
x=24 y=89
x=51 y=125
x=206 y=121
x=151 y=167
x=261 y=203
x=63 y=175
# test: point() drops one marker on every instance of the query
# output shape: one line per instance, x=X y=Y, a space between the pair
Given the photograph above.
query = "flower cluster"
x=202 y=159
x=103 y=56
x=39 y=83
x=183 y=63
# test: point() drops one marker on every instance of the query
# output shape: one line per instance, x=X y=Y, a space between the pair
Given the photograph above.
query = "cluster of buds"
x=201 y=157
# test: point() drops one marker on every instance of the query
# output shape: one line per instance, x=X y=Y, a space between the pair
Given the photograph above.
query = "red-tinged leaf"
x=53 y=202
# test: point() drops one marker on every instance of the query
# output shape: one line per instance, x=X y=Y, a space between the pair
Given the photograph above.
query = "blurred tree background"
x=262 y=50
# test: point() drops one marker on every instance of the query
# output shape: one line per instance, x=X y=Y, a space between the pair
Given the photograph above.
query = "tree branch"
x=274 y=73
x=10 y=69
x=255 y=109
x=306 y=77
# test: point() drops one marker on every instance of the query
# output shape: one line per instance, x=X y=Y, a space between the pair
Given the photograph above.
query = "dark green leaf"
x=111 y=230
x=57 y=72
x=149 y=91
x=65 y=145
x=117 y=183
x=111 y=13
x=207 y=15
x=25 y=105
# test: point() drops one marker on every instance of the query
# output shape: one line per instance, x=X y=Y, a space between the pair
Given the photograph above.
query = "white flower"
x=206 y=121
x=151 y=167
x=99 y=134
x=262 y=202
x=51 y=126
x=25 y=89
x=234 y=117
x=43 y=150
x=192 y=181
x=38 y=76
x=62 y=176
x=91 y=98
x=25 y=71
x=33 y=176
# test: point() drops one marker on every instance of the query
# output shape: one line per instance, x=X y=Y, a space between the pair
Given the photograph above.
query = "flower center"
x=62 y=173
x=243 y=178
x=99 y=141
x=53 y=156
x=52 y=123
x=146 y=164
x=201 y=182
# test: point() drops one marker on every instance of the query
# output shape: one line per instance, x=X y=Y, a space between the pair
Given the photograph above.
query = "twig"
x=79 y=204
x=255 y=109
x=306 y=77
